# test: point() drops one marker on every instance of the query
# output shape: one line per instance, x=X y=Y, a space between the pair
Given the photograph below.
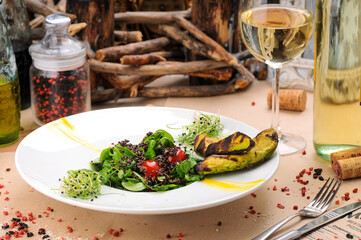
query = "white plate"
x=46 y=154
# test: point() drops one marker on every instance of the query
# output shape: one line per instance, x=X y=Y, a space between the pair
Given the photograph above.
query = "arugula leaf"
x=105 y=154
x=133 y=186
x=150 y=153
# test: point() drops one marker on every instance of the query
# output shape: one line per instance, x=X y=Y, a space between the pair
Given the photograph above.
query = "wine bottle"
x=337 y=106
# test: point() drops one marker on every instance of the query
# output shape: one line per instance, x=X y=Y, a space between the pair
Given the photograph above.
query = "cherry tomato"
x=179 y=156
x=150 y=168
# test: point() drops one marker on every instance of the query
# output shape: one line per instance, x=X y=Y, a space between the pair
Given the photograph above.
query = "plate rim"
x=85 y=204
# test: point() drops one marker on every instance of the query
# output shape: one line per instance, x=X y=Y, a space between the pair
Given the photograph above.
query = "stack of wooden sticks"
x=122 y=63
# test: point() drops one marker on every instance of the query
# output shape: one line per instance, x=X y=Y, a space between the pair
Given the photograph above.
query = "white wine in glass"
x=277 y=34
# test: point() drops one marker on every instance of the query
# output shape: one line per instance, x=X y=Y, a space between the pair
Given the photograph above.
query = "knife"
x=324 y=219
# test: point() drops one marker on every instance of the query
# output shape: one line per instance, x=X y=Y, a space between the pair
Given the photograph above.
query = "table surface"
x=233 y=220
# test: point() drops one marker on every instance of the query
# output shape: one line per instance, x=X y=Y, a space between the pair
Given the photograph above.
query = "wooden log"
x=223 y=74
x=115 y=53
x=128 y=36
x=143 y=59
x=160 y=69
x=37 y=33
x=262 y=71
x=99 y=96
x=37 y=22
x=258 y=68
x=122 y=82
x=44 y=10
x=182 y=37
x=50 y=3
x=163 y=92
x=106 y=34
x=150 y=17
x=61 y=6
x=213 y=17
x=89 y=12
x=231 y=60
x=75 y=28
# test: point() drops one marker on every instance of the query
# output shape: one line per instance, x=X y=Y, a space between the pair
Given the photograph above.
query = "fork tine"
x=319 y=193
x=325 y=204
x=322 y=198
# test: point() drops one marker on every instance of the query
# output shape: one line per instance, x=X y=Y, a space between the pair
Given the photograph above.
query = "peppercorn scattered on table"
x=26 y=212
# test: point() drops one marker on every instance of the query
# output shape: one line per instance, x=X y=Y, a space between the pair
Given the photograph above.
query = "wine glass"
x=277 y=34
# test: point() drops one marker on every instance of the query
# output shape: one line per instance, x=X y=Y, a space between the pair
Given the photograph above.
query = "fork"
x=318 y=206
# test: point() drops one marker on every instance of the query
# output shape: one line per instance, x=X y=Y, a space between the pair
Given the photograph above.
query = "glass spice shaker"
x=9 y=91
x=17 y=23
x=59 y=74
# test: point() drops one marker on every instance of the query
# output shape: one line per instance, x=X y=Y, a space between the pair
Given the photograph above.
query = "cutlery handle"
x=274 y=228
x=289 y=235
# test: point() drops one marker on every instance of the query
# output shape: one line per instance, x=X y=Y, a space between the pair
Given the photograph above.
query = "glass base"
x=290 y=143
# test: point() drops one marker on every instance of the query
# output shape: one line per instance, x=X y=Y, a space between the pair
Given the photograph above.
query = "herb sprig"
x=201 y=123
x=82 y=183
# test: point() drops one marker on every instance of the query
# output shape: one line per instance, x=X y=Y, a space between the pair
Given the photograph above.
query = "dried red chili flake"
x=304 y=152
x=355 y=190
x=181 y=234
x=60 y=220
x=246 y=216
x=95 y=238
x=303 y=191
x=1 y=186
x=280 y=206
x=6 y=199
x=70 y=229
x=5 y=213
x=6 y=192
x=274 y=188
x=18 y=214
x=253 y=195
x=252 y=211
x=253 y=103
x=337 y=202
x=295 y=207
x=48 y=208
x=168 y=236
x=116 y=234
x=285 y=189
x=24 y=219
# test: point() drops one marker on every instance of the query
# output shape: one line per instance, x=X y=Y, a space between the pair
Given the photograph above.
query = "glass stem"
x=275 y=101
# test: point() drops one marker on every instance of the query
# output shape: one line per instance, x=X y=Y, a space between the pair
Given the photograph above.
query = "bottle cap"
x=57 y=51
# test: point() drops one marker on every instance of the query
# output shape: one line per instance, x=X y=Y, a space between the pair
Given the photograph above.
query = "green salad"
x=155 y=164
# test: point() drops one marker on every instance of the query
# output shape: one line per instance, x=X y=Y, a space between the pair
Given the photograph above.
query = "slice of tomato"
x=150 y=168
x=178 y=157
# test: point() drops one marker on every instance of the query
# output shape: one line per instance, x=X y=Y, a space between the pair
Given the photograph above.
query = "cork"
x=348 y=168
x=344 y=154
x=290 y=99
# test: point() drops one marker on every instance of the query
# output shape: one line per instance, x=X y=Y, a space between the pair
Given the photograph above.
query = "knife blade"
x=321 y=220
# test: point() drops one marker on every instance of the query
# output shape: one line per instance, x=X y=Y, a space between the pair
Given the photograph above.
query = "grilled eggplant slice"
x=237 y=143
x=265 y=144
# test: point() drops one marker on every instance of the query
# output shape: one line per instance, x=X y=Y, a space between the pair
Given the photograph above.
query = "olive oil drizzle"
x=62 y=127
x=231 y=186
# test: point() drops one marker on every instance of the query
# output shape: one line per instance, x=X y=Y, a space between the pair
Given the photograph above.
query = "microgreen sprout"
x=201 y=123
x=82 y=183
